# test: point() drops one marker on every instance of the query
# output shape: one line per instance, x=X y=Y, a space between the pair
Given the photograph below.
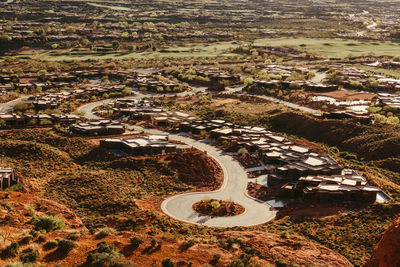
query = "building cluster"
x=7 y=177
x=151 y=83
x=147 y=109
x=215 y=75
x=15 y=120
x=392 y=100
x=73 y=79
x=286 y=161
x=99 y=127
x=345 y=186
x=145 y=145
x=306 y=85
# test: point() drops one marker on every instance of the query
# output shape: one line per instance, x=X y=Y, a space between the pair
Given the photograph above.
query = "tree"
x=127 y=91
x=248 y=81
x=116 y=45
x=5 y=235
x=242 y=151
x=393 y=120
x=131 y=48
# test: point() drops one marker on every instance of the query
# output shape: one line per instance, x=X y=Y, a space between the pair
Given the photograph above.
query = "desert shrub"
x=40 y=239
x=51 y=244
x=215 y=204
x=280 y=263
x=29 y=255
x=48 y=222
x=167 y=263
x=73 y=236
x=66 y=245
x=348 y=156
x=25 y=239
x=10 y=251
x=105 y=255
x=34 y=233
x=284 y=234
x=106 y=231
x=136 y=241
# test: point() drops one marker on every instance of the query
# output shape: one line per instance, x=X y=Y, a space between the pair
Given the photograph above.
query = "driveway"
x=233 y=188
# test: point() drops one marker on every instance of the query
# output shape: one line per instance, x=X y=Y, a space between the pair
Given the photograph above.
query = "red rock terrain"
x=291 y=249
x=387 y=252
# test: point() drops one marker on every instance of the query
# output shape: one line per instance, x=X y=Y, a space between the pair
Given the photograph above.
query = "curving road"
x=233 y=187
x=4 y=107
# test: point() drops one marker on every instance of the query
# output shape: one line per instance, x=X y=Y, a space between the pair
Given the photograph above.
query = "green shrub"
x=242 y=151
x=280 y=263
x=105 y=255
x=48 y=223
x=215 y=204
x=106 y=231
x=29 y=255
x=51 y=244
x=73 y=236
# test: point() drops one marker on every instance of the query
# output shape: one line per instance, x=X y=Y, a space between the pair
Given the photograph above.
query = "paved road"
x=286 y=103
x=4 y=107
x=233 y=188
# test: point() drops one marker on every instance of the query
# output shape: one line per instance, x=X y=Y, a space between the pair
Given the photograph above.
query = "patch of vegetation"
x=29 y=255
x=47 y=222
x=106 y=255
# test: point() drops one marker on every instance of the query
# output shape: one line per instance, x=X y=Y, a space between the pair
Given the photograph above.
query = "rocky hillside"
x=68 y=243
x=387 y=252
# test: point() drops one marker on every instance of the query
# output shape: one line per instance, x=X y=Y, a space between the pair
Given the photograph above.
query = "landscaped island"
x=214 y=207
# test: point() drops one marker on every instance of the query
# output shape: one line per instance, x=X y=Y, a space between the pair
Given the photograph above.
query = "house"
x=346 y=186
x=142 y=145
x=99 y=127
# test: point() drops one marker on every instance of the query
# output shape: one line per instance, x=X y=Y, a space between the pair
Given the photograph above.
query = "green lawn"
x=335 y=47
x=197 y=50
x=391 y=73
x=323 y=47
